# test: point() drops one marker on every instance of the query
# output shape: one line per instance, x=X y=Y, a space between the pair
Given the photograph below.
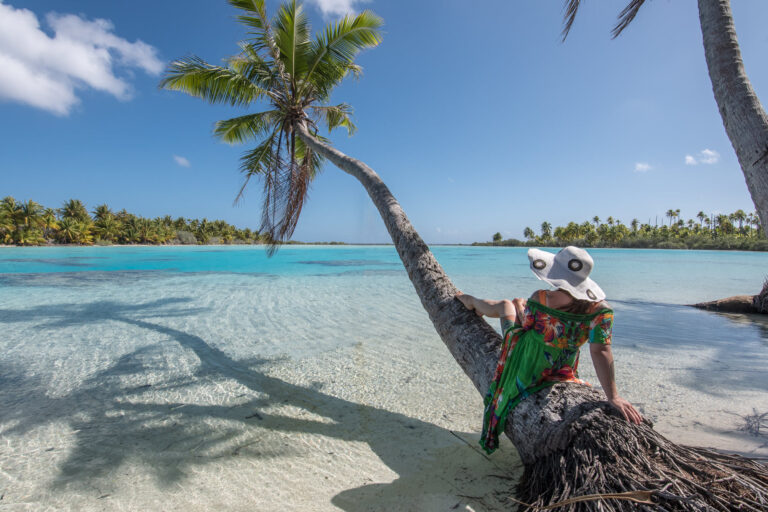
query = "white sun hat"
x=567 y=270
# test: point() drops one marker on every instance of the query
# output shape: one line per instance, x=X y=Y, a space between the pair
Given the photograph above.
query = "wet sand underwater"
x=141 y=389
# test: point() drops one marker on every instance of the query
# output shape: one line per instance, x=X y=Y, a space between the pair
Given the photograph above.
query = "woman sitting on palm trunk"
x=543 y=335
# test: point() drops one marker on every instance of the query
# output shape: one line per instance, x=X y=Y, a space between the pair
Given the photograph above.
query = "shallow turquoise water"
x=675 y=277
x=103 y=349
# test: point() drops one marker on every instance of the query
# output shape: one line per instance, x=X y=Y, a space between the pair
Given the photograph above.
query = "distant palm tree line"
x=29 y=223
x=738 y=230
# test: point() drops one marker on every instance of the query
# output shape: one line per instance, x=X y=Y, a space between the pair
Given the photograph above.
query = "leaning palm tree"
x=744 y=118
x=564 y=430
x=294 y=75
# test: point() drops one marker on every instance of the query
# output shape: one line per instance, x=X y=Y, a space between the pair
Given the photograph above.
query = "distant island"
x=736 y=231
x=31 y=224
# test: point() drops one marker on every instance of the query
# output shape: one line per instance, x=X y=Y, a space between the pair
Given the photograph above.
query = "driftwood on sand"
x=739 y=303
x=735 y=304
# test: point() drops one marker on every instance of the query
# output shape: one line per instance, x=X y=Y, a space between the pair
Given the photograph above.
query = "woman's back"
x=547 y=316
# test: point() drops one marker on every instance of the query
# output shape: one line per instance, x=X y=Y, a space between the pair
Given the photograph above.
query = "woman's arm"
x=493 y=308
x=602 y=359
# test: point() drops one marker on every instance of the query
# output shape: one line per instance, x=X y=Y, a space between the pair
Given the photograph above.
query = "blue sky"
x=477 y=117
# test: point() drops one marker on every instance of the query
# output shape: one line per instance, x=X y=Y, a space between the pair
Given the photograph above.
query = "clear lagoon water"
x=217 y=378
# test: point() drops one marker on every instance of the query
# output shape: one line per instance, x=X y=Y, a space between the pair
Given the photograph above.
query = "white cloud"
x=709 y=156
x=181 y=161
x=45 y=72
x=706 y=156
x=642 y=167
x=336 y=7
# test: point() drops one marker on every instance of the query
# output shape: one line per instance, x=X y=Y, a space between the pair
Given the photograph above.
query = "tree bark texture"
x=735 y=304
x=760 y=301
x=571 y=441
x=471 y=341
x=745 y=120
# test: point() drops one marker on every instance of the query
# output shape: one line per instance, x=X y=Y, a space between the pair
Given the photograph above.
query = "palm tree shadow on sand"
x=116 y=417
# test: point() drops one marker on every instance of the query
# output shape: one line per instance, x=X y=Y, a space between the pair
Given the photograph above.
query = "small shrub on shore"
x=186 y=238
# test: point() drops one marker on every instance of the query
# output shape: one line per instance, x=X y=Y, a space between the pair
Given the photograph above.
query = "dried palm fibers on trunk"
x=760 y=301
x=593 y=451
x=570 y=440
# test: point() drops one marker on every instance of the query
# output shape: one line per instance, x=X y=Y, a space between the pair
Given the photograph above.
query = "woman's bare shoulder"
x=603 y=305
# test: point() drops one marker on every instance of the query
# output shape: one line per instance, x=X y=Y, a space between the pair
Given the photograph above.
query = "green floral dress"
x=540 y=351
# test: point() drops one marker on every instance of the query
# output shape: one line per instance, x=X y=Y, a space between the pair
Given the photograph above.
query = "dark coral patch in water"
x=347 y=263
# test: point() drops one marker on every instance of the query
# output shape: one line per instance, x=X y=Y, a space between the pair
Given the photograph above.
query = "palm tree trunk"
x=471 y=341
x=571 y=441
x=744 y=118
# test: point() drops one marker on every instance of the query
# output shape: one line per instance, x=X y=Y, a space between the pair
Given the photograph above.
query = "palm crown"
x=280 y=65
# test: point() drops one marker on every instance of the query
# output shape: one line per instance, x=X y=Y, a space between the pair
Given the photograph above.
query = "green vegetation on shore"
x=29 y=223
x=737 y=231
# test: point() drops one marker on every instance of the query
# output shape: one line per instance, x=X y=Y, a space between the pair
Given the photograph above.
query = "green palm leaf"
x=246 y=128
x=215 y=84
x=259 y=161
x=335 y=117
x=292 y=39
x=282 y=65
x=254 y=67
x=334 y=50
x=256 y=16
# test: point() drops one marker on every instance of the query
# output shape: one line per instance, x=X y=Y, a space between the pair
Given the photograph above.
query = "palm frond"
x=253 y=66
x=335 y=116
x=215 y=84
x=281 y=61
x=286 y=192
x=291 y=34
x=626 y=16
x=293 y=166
x=256 y=10
x=335 y=49
x=246 y=128
x=263 y=37
x=357 y=71
x=569 y=16
x=311 y=159
x=258 y=162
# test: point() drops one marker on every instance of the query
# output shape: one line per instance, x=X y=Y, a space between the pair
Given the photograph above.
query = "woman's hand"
x=626 y=409
x=519 y=305
x=602 y=358
x=468 y=301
